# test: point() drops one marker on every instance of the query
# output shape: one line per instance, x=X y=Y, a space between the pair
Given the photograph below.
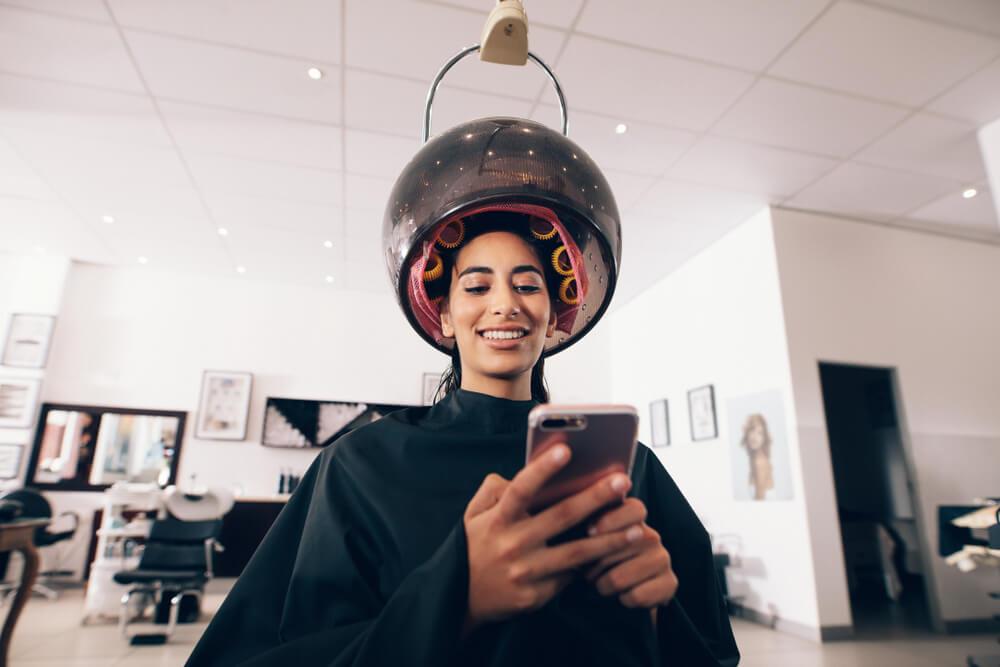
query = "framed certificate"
x=701 y=410
x=225 y=406
x=28 y=338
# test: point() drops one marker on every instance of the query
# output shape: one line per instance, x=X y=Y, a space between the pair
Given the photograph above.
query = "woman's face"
x=755 y=436
x=498 y=308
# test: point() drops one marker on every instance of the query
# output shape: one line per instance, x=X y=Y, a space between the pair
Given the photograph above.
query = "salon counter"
x=243 y=529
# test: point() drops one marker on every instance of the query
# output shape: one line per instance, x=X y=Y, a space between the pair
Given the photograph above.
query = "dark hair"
x=516 y=224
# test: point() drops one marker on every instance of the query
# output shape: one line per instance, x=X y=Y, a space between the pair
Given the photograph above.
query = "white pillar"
x=989 y=146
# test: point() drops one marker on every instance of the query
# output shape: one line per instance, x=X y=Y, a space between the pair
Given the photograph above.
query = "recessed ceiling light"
x=315 y=73
x=223 y=231
x=327 y=244
x=241 y=269
x=40 y=250
x=143 y=260
x=329 y=279
x=621 y=128
x=969 y=193
x=107 y=219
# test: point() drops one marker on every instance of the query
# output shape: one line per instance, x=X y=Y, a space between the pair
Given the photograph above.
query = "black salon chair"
x=28 y=503
x=175 y=564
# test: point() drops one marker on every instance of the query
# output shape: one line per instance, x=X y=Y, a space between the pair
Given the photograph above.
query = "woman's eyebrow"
x=476 y=269
x=524 y=268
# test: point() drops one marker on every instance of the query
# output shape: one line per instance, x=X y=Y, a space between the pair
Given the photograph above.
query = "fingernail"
x=634 y=533
x=559 y=454
x=618 y=483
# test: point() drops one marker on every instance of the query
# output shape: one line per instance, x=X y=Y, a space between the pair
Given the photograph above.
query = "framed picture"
x=18 y=400
x=224 y=406
x=701 y=410
x=10 y=461
x=300 y=423
x=431 y=383
x=659 y=423
x=28 y=338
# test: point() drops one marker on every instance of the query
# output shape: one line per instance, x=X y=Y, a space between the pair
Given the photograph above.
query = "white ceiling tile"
x=72 y=110
x=642 y=149
x=891 y=56
x=373 y=43
x=954 y=209
x=870 y=192
x=364 y=230
x=627 y=188
x=17 y=178
x=157 y=229
x=771 y=172
x=640 y=85
x=84 y=9
x=976 y=99
x=177 y=256
x=745 y=35
x=223 y=175
x=258 y=137
x=980 y=15
x=686 y=202
x=299 y=28
x=235 y=79
x=558 y=14
x=396 y=106
x=365 y=276
x=254 y=242
x=314 y=223
x=805 y=119
x=378 y=154
x=89 y=168
x=64 y=49
x=30 y=224
x=931 y=145
x=367 y=193
x=140 y=209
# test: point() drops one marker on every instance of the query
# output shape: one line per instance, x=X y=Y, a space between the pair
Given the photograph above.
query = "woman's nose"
x=505 y=303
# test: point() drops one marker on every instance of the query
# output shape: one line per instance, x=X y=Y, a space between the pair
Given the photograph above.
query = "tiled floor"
x=49 y=634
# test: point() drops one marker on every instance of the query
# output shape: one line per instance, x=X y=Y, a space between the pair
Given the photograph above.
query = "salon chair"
x=176 y=563
x=28 y=503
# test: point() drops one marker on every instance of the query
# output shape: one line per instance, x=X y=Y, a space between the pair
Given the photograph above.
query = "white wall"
x=718 y=320
x=928 y=306
x=989 y=146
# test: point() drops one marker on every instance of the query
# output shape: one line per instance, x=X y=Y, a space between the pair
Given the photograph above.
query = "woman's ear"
x=447 y=330
x=550 y=330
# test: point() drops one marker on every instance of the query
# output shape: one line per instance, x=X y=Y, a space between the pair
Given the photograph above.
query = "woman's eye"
x=527 y=289
x=476 y=289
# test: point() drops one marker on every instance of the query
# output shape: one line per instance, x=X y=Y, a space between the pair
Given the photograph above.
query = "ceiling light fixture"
x=143 y=260
x=223 y=231
x=327 y=244
x=315 y=73
x=241 y=269
x=969 y=193
x=107 y=219
x=621 y=128
x=329 y=279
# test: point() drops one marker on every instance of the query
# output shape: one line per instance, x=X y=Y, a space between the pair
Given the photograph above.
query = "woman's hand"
x=511 y=568
x=640 y=575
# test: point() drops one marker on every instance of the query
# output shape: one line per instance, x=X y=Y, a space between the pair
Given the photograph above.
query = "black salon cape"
x=367 y=564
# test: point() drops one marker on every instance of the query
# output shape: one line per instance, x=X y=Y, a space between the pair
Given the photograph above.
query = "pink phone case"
x=601 y=437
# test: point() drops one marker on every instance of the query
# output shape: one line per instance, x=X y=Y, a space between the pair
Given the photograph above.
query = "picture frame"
x=28 y=338
x=431 y=382
x=298 y=423
x=18 y=401
x=659 y=423
x=224 y=407
x=10 y=460
x=701 y=412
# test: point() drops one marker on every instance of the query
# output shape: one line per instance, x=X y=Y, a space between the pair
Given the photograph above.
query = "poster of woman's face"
x=759 y=447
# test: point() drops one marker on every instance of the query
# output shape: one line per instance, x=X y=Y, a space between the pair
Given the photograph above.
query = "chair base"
x=147 y=640
x=165 y=601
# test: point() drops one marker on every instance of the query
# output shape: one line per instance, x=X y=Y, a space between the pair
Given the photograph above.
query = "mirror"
x=89 y=448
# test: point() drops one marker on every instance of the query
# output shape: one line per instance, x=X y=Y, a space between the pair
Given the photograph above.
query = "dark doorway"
x=875 y=502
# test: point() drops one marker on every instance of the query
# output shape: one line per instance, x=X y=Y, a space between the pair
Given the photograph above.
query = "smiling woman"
x=411 y=540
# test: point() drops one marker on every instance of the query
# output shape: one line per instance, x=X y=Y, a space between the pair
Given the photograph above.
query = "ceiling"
x=179 y=118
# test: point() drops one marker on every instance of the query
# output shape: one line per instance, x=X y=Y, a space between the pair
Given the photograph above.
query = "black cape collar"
x=480 y=413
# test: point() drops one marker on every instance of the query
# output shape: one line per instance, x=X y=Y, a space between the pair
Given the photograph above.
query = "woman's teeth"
x=503 y=335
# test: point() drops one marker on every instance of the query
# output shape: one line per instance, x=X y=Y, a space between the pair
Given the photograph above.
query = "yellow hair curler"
x=560 y=261
x=434 y=268
x=567 y=291
x=543 y=230
x=451 y=236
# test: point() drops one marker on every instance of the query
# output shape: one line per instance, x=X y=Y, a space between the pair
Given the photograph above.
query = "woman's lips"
x=502 y=343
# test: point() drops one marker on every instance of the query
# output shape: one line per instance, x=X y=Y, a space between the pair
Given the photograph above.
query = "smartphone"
x=602 y=439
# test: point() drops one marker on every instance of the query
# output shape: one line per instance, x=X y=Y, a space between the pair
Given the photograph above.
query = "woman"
x=756 y=441
x=408 y=541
